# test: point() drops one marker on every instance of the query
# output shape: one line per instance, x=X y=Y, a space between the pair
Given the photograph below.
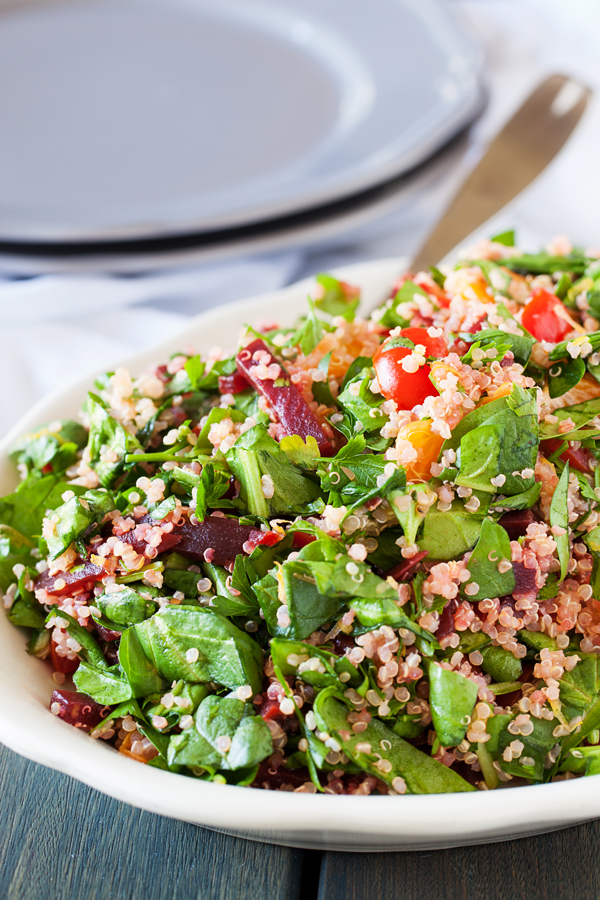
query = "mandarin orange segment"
x=427 y=445
x=503 y=391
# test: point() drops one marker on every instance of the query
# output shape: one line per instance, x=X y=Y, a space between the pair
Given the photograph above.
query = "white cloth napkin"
x=46 y=345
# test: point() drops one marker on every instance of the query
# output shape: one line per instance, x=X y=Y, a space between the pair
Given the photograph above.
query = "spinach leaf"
x=101 y=685
x=75 y=517
x=537 y=745
x=256 y=456
x=447 y=535
x=521 y=501
x=452 y=698
x=25 y=510
x=25 y=610
x=139 y=670
x=106 y=434
x=336 y=299
x=564 y=375
x=182 y=580
x=126 y=607
x=561 y=352
x=521 y=345
x=226 y=654
x=545 y=263
x=217 y=718
x=355 y=368
x=422 y=774
x=505 y=444
x=194 y=368
x=559 y=515
x=376 y=611
x=321 y=390
x=307 y=607
x=56 y=446
x=501 y=664
x=492 y=547
x=581 y=414
x=289 y=655
x=399 y=310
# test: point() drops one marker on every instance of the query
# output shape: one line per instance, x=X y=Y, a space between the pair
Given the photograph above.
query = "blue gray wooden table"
x=60 y=840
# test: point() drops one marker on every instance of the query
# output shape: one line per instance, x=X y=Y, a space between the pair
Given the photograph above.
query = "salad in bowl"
x=354 y=556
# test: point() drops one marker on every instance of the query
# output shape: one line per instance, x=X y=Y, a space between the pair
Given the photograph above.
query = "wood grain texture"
x=60 y=840
x=558 y=866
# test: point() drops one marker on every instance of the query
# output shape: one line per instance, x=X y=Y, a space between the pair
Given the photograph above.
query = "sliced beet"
x=446 y=626
x=78 y=709
x=524 y=580
x=111 y=652
x=233 y=384
x=62 y=663
x=168 y=541
x=281 y=776
x=403 y=570
x=105 y=634
x=284 y=398
x=225 y=537
x=81 y=576
x=515 y=522
x=343 y=642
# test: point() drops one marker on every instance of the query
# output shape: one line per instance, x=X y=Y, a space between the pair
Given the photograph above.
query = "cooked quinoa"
x=354 y=556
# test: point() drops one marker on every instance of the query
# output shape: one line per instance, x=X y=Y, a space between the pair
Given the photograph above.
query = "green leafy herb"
x=564 y=375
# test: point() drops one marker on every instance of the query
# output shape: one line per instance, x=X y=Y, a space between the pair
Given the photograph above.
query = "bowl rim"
x=27 y=727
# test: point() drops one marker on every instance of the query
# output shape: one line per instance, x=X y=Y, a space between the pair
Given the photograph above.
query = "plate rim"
x=174 y=223
x=344 y=822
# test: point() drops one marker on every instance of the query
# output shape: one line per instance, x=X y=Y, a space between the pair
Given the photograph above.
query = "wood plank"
x=63 y=840
x=547 y=867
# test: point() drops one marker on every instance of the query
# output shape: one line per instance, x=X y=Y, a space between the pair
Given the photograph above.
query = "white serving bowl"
x=303 y=820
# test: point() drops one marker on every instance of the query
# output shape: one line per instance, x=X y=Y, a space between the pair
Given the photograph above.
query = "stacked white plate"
x=189 y=126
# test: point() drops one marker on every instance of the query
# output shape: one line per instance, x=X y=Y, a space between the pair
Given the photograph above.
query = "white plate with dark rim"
x=154 y=118
x=302 y=820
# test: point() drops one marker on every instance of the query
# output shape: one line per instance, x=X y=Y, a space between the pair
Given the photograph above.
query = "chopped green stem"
x=487 y=766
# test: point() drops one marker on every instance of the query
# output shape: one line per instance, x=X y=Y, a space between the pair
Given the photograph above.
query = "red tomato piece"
x=301 y=539
x=434 y=346
x=578 y=458
x=407 y=389
x=542 y=317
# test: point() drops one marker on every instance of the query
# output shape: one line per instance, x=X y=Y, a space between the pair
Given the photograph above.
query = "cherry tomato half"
x=578 y=458
x=407 y=389
x=542 y=317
